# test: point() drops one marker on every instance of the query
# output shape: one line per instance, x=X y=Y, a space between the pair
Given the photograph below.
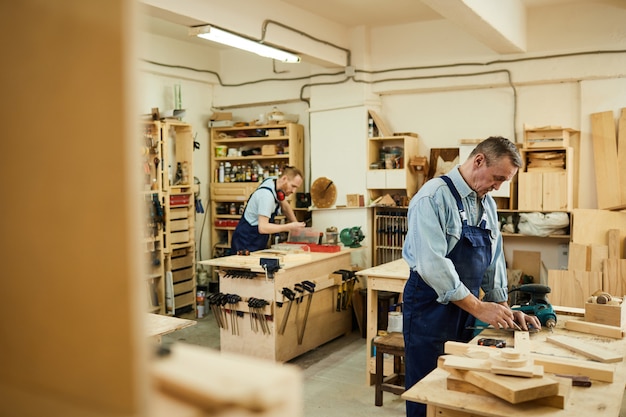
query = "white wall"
x=441 y=104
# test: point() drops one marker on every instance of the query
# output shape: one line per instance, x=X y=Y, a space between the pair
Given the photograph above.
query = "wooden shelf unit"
x=390 y=227
x=393 y=175
x=277 y=145
x=170 y=242
x=153 y=232
x=507 y=212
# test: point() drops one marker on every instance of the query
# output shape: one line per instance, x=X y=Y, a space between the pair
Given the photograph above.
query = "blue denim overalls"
x=427 y=324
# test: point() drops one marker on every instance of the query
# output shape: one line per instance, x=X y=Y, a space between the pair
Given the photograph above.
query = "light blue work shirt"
x=434 y=228
x=262 y=203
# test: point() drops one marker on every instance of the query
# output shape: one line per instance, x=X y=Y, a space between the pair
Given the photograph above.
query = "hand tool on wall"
x=291 y=296
x=300 y=291
x=538 y=305
x=339 y=295
x=310 y=288
x=257 y=315
x=215 y=301
x=233 y=299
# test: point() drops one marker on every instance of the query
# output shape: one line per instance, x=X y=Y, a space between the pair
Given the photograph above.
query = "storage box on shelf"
x=240 y=158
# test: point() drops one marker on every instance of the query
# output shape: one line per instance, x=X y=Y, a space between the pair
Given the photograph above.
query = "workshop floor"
x=334 y=374
x=334 y=380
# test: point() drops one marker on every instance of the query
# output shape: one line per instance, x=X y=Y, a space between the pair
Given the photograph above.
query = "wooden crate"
x=547 y=137
x=605 y=314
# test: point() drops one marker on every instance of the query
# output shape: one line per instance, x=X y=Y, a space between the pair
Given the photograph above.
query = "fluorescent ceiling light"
x=221 y=36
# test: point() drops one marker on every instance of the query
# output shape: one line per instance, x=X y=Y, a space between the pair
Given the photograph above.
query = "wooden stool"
x=393 y=344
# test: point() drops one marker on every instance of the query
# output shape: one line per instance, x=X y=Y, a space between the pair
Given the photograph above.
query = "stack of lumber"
x=609 y=154
x=493 y=372
x=596 y=259
x=545 y=161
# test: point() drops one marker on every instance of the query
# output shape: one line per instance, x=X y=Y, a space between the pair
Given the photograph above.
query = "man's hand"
x=524 y=320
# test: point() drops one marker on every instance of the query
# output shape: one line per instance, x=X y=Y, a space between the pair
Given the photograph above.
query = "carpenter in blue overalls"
x=257 y=222
x=469 y=239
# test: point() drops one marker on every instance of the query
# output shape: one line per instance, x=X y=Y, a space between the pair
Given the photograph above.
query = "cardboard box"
x=605 y=314
x=268 y=150
x=355 y=200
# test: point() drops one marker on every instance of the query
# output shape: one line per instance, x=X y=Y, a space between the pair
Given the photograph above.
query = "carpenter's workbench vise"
x=538 y=305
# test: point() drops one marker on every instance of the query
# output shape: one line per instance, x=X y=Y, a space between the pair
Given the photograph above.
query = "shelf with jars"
x=241 y=158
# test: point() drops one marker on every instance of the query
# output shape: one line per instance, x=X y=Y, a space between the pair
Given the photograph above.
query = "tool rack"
x=323 y=322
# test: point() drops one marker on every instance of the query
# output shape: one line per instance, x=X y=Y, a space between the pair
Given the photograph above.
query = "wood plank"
x=556 y=282
x=522 y=342
x=454 y=383
x=596 y=254
x=578 y=257
x=605 y=159
x=556 y=193
x=613 y=241
x=486 y=365
x=621 y=153
x=529 y=262
x=512 y=389
x=611 y=277
x=530 y=191
x=587 y=349
x=589 y=226
x=594 y=328
x=383 y=129
x=622 y=273
x=550 y=363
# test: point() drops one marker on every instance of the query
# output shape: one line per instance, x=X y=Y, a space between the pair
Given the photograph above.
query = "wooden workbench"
x=391 y=277
x=324 y=322
x=159 y=325
x=602 y=398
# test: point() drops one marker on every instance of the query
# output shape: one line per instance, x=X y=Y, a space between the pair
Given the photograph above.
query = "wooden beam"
x=595 y=328
x=605 y=159
x=587 y=349
x=621 y=153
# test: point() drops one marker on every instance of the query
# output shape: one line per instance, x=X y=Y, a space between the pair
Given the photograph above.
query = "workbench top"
x=287 y=259
x=395 y=269
x=602 y=398
x=159 y=325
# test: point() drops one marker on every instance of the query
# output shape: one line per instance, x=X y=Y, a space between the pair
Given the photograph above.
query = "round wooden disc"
x=323 y=193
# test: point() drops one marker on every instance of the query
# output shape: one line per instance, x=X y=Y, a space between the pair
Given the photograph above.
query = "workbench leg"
x=378 y=399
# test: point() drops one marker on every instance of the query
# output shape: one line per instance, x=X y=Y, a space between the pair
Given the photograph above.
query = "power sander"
x=538 y=305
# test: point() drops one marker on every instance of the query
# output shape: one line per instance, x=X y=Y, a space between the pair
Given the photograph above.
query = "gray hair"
x=497 y=147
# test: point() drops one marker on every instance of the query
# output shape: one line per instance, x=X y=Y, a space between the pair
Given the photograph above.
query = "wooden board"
x=611 y=277
x=383 y=129
x=529 y=262
x=596 y=254
x=530 y=191
x=512 y=389
x=578 y=257
x=621 y=153
x=572 y=288
x=454 y=383
x=587 y=349
x=550 y=363
x=486 y=365
x=589 y=226
x=605 y=159
x=595 y=328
